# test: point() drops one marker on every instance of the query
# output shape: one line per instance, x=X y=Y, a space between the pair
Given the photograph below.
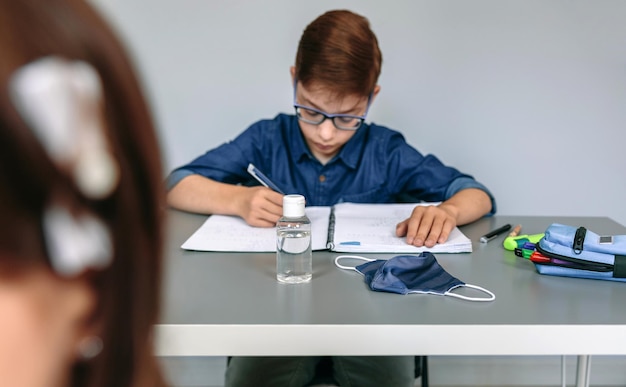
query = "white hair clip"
x=61 y=101
x=76 y=243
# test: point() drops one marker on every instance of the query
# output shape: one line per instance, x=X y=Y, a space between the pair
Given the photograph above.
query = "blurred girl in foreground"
x=80 y=204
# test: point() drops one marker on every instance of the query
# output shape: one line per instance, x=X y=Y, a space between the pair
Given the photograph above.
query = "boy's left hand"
x=428 y=225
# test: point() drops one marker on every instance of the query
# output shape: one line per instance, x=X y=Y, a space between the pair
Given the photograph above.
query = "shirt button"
x=322 y=178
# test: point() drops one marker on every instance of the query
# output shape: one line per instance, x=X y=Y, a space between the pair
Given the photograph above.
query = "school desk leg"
x=582 y=370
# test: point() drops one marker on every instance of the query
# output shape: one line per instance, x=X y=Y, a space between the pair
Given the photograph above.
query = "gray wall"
x=527 y=96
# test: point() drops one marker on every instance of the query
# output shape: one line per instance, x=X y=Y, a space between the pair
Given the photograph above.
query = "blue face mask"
x=404 y=274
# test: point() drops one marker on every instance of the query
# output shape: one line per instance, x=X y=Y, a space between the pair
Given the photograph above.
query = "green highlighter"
x=511 y=243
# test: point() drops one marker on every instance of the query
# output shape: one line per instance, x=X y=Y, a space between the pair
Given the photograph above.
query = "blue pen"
x=262 y=178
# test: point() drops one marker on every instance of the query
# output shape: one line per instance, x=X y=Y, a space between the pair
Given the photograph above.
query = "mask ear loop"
x=351 y=257
x=479 y=299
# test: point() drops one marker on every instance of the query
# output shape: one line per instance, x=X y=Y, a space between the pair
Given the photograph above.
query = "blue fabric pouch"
x=581 y=253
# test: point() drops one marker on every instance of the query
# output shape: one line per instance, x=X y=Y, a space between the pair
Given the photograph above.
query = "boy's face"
x=325 y=140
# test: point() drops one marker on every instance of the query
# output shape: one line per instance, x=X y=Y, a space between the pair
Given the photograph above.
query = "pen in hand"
x=493 y=234
x=261 y=178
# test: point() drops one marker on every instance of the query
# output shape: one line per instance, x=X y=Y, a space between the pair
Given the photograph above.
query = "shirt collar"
x=300 y=149
x=349 y=154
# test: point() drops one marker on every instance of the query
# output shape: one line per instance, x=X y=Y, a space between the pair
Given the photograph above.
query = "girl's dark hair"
x=339 y=51
x=128 y=290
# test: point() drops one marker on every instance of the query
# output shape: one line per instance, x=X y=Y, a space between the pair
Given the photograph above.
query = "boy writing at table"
x=326 y=152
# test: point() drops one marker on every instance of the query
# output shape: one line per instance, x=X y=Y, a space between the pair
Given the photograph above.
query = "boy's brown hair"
x=338 y=50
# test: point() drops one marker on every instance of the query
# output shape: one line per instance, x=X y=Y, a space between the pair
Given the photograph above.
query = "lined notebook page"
x=372 y=228
x=231 y=233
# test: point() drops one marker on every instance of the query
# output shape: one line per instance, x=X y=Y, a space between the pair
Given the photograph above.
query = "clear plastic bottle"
x=294 y=258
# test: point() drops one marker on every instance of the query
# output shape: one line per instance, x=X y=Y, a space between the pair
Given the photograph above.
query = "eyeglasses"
x=341 y=121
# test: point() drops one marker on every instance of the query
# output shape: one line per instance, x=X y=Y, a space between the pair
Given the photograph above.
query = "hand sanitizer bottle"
x=294 y=258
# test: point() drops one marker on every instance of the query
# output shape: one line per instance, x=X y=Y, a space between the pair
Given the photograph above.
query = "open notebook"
x=345 y=227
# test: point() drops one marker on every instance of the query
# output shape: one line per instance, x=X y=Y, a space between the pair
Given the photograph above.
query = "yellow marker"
x=512 y=242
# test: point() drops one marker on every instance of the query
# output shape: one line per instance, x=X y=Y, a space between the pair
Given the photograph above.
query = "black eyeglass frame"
x=332 y=117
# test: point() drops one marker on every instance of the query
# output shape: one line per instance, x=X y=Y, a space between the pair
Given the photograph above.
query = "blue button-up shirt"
x=375 y=166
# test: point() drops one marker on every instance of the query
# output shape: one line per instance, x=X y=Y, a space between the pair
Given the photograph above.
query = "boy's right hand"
x=257 y=206
x=261 y=206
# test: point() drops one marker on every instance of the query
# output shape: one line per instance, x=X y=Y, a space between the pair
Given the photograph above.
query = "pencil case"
x=570 y=251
